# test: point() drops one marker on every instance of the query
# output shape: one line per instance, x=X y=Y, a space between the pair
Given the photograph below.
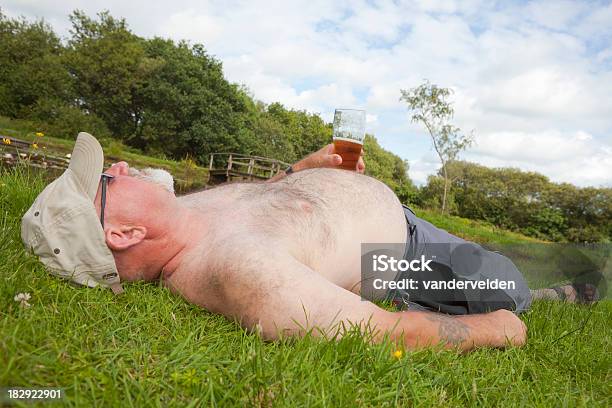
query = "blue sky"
x=533 y=80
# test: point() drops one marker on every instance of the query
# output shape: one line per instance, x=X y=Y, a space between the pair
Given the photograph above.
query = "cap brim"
x=87 y=162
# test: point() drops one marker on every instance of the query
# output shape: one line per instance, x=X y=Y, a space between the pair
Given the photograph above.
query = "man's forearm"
x=424 y=329
x=324 y=157
x=282 y=174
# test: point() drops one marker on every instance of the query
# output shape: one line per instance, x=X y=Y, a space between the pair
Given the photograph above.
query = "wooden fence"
x=16 y=151
x=224 y=167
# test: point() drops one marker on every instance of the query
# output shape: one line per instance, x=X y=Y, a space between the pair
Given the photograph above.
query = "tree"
x=430 y=106
x=105 y=60
x=30 y=66
x=187 y=106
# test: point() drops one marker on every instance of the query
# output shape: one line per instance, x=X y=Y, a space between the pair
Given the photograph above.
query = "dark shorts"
x=455 y=259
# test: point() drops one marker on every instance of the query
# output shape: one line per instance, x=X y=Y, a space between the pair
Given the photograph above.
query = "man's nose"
x=118 y=169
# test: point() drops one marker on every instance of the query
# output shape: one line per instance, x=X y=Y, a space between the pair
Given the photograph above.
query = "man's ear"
x=119 y=238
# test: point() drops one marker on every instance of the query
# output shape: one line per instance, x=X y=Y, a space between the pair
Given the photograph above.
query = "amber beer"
x=349 y=132
x=350 y=150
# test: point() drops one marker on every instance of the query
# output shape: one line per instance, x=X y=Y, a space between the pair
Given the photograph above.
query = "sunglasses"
x=106 y=178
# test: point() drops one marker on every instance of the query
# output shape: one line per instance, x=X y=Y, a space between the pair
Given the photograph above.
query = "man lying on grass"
x=282 y=258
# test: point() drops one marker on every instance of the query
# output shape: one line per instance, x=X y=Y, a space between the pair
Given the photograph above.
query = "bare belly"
x=320 y=216
x=360 y=210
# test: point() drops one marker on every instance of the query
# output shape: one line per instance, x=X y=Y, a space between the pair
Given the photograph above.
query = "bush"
x=60 y=120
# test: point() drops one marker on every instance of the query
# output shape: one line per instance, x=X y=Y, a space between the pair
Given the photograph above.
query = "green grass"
x=473 y=230
x=150 y=348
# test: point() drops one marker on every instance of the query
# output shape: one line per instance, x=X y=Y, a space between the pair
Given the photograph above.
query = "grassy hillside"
x=473 y=230
x=187 y=174
x=150 y=348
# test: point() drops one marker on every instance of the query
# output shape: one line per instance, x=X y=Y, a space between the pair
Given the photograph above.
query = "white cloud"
x=382 y=22
x=597 y=24
x=189 y=24
x=422 y=167
x=539 y=148
x=572 y=157
x=554 y=15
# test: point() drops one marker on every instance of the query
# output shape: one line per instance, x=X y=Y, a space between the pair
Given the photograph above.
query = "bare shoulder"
x=231 y=274
x=220 y=194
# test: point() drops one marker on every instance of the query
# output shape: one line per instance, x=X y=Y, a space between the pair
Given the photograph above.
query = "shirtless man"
x=282 y=258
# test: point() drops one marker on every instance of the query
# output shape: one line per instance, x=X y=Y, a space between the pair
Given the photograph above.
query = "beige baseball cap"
x=62 y=226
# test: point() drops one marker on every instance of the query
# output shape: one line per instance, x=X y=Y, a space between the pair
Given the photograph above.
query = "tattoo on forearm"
x=450 y=329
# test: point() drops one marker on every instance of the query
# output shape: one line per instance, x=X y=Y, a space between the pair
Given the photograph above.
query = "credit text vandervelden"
x=384 y=263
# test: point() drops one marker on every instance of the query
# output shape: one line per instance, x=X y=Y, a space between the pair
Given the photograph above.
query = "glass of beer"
x=349 y=132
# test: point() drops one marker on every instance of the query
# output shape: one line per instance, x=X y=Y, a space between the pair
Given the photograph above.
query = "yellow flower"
x=6 y=141
x=35 y=145
x=40 y=134
x=398 y=354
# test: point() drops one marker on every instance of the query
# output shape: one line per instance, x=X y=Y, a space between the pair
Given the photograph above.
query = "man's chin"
x=133 y=276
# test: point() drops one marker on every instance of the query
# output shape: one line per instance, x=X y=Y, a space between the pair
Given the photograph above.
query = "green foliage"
x=187 y=105
x=65 y=121
x=105 y=61
x=269 y=137
x=430 y=106
x=527 y=202
x=114 y=149
x=306 y=133
x=30 y=66
x=431 y=195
